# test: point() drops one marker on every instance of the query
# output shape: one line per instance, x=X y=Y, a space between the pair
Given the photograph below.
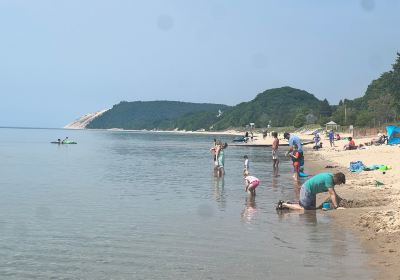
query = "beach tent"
x=393 y=133
x=331 y=125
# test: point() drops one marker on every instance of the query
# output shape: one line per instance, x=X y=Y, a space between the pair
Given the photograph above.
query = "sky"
x=62 y=59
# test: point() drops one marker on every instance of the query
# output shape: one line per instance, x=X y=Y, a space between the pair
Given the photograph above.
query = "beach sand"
x=372 y=211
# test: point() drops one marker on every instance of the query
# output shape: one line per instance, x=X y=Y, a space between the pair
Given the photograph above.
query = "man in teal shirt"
x=322 y=182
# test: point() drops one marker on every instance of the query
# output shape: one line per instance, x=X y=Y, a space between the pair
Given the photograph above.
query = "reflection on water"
x=250 y=208
x=219 y=192
x=131 y=205
x=296 y=188
x=305 y=218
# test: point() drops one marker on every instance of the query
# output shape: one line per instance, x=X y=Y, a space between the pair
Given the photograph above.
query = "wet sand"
x=372 y=212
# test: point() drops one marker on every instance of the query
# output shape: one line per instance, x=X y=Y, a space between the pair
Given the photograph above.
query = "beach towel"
x=374 y=166
x=384 y=167
x=356 y=166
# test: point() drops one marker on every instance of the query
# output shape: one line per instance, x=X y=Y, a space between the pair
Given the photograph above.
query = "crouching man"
x=322 y=182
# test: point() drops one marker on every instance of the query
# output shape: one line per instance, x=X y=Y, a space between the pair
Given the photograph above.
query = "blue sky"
x=62 y=59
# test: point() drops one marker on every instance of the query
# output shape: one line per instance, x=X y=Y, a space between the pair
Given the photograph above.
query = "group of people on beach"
x=323 y=182
x=351 y=145
x=252 y=182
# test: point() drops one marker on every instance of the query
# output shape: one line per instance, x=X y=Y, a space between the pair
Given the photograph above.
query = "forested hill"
x=380 y=104
x=284 y=106
x=277 y=107
x=161 y=115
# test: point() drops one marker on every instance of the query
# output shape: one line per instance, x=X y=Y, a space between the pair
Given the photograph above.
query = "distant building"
x=331 y=125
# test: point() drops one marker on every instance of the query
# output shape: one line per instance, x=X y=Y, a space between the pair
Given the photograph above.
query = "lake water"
x=134 y=205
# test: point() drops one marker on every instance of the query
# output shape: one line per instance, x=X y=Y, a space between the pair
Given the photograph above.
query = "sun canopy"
x=393 y=133
x=331 y=125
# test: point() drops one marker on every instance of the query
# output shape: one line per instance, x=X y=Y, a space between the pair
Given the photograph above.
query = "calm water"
x=129 y=205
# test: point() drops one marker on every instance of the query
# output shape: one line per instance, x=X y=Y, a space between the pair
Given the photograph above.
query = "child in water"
x=295 y=155
x=246 y=163
x=213 y=149
x=219 y=170
x=251 y=183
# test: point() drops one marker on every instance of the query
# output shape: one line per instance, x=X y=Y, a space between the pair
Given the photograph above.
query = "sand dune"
x=83 y=121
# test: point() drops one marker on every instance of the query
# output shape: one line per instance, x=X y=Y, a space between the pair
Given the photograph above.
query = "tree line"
x=279 y=107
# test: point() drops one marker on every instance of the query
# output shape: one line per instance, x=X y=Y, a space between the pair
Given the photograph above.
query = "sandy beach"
x=372 y=210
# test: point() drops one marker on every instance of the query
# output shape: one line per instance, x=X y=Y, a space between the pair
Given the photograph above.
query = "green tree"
x=383 y=108
x=299 y=120
x=325 y=109
x=323 y=121
x=364 y=118
x=345 y=114
x=263 y=120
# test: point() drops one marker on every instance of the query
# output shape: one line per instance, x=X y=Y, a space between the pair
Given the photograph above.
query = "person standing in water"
x=275 y=159
x=295 y=156
x=220 y=168
x=294 y=139
x=246 y=163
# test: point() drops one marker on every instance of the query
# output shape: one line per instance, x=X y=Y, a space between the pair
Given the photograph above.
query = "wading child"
x=275 y=146
x=295 y=155
x=251 y=183
x=246 y=163
x=213 y=150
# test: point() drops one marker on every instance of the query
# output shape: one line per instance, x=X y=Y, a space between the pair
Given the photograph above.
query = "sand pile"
x=381 y=221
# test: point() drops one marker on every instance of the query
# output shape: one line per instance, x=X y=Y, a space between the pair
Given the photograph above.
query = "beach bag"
x=356 y=166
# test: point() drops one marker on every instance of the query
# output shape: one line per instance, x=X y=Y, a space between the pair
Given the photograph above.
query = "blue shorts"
x=307 y=199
